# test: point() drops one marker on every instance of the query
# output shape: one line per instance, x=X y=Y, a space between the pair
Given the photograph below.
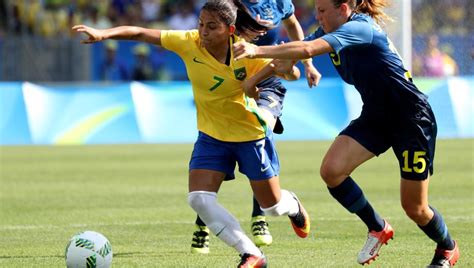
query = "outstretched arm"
x=285 y=69
x=152 y=36
x=295 y=32
x=291 y=50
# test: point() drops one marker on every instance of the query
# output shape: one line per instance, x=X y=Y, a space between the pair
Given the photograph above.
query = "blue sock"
x=257 y=211
x=199 y=221
x=437 y=230
x=350 y=196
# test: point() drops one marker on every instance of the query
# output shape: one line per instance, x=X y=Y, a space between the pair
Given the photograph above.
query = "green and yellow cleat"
x=200 y=244
x=261 y=234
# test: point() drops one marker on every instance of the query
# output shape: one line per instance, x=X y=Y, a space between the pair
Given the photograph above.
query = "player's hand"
x=250 y=89
x=266 y=23
x=94 y=35
x=244 y=49
x=313 y=76
x=282 y=67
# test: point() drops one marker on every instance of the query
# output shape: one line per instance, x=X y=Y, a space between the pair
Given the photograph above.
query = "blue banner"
x=164 y=112
x=14 y=127
x=80 y=114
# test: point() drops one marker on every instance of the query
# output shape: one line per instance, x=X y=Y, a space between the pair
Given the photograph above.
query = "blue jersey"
x=365 y=57
x=272 y=10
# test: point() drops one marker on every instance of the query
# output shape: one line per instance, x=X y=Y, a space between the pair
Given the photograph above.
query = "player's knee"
x=417 y=213
x=331 y=172
x=200 y=200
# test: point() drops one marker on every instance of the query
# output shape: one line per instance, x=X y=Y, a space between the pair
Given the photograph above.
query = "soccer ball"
x=88 y=250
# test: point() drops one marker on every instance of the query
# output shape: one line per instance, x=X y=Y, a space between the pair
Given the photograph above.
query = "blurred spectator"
x=440 y=16
x=112 y=69
x=159 y=62
x=16 y=23
x=450 y=66
x=143 y=69
x=454 y=17
x=122 y=6
x=94 y=20
x=3 y=18
x=451 y=20
x=417 y=63
x=184 y=18
x=54 y=4
x=436 y=63
x=150 y=10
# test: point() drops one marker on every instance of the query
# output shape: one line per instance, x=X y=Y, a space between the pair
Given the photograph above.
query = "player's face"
x=212 y=31
x=329 y=16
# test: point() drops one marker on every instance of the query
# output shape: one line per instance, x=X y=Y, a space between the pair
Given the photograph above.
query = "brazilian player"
x=231 y=126
x=395 y=114
x=274 y=15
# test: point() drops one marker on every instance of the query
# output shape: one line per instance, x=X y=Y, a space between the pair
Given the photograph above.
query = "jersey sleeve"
x=255 y=65
x=288 y=9
x=352 y=33
x=317 y=34
x=177 y=41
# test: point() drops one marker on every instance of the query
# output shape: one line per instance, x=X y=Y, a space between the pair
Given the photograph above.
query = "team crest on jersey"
x=268 y=13
x=240 y=74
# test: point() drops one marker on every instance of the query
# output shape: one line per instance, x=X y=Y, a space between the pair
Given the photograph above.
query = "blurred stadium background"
x=36 y=43
x=47 y=77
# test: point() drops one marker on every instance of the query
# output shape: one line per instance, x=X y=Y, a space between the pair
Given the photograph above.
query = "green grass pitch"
x=136 y=195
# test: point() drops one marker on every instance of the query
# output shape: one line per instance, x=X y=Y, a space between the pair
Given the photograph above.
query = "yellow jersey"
x=223 y=110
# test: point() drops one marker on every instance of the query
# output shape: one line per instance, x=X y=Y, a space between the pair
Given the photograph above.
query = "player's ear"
x=232 y=29
x=344 y=7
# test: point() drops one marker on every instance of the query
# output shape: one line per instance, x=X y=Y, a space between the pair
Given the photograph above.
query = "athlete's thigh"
x=368 y=136
x=361 y=140
x=205 y=180
x=258 y=160
x=267 y=192
x=345 y=154
x=210 y=162
x=414 y=146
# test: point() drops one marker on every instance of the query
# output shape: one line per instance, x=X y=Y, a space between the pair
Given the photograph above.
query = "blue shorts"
x=413 y=139
x=258 y=160
x=272 y=95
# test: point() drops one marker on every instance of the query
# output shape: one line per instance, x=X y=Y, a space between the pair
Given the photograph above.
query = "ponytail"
x=372 y=8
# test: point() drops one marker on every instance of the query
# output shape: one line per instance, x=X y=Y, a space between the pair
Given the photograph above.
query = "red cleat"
x=375 y=240
x=252 y=261
x=445 y=258
x=300 y=222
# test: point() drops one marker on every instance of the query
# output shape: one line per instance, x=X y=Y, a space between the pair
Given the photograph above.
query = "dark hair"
x=233 y=12
x=372 y=8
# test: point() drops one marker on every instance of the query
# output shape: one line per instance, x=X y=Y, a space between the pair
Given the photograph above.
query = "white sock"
x=286 y=206
x=221 y=222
